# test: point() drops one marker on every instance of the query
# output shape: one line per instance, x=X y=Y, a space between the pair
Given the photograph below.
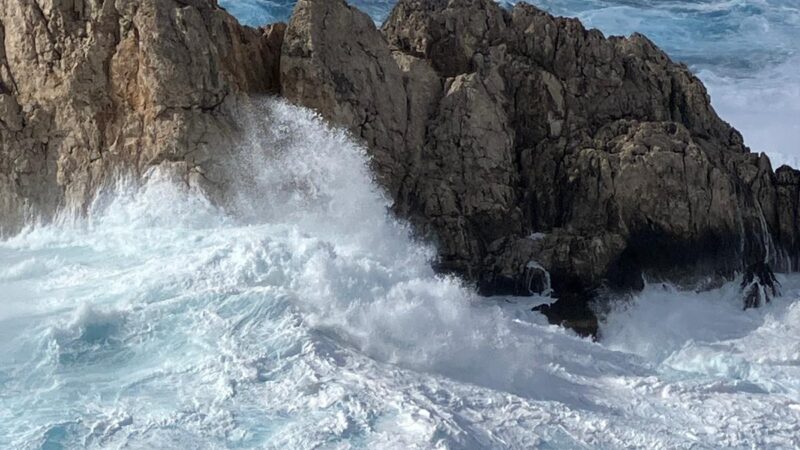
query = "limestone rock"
x=535 y=153
x=89 y=90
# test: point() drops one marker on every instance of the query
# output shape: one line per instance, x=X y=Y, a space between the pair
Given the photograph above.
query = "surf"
x=304 y=314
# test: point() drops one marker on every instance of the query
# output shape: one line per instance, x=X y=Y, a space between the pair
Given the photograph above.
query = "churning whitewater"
x=304 y=316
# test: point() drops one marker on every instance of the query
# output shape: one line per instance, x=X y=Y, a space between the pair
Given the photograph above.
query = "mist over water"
x=304 y=316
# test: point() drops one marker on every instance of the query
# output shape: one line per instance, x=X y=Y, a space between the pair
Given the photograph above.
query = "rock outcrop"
x=537 y=154
x=89 y=89
x=515 y=137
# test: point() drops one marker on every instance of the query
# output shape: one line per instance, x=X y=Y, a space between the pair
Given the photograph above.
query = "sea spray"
x=302 y=314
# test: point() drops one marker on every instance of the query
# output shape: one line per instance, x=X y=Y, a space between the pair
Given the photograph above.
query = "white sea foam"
x=764 y=106
x=306 y=317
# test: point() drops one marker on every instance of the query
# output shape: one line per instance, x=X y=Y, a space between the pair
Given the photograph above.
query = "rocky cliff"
x=537 y=154
x=522 y=142
x=92 y=89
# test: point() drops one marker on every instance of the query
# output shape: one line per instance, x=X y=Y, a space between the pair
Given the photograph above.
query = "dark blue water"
x=746 y=51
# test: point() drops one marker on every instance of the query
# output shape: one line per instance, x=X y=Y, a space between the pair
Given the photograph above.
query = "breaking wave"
x=304 y=316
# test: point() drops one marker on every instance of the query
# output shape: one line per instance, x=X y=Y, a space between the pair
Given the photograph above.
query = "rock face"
x=515 y=137
x=90 y=89
x=537 y=154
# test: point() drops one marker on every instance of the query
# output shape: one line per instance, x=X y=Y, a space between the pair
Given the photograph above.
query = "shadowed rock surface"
x=537 y=154
x=515 y=136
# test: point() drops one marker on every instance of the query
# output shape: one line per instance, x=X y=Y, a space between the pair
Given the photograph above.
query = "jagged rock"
x=531 y=125
x=92 y=89
x=759 y=285
x=787 y=212
x=335 y=61
x=536 y=153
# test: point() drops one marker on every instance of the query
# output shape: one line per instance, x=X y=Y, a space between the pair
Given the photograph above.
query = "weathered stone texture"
x=502 y=125
x=517 y=141
x=89 y=89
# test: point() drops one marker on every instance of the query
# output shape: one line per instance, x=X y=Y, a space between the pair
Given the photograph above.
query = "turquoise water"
x=738 y=35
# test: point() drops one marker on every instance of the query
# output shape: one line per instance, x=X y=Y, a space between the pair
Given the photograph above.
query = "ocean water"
x=746 y=51
x=304 y=316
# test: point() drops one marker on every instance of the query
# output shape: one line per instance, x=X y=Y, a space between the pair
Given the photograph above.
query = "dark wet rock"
x=574 y=312
x=535 y=281
x=759 y=285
